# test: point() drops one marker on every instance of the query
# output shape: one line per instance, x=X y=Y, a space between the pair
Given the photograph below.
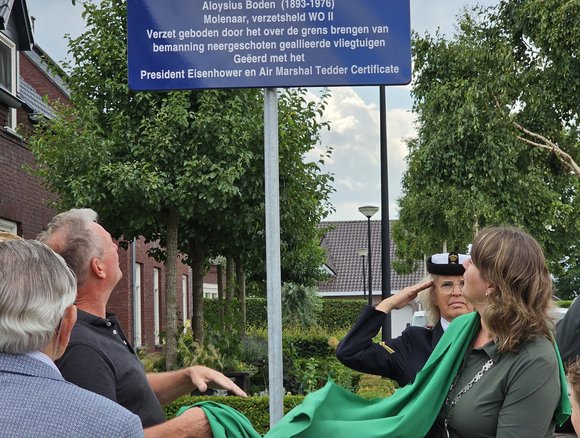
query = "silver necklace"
x=451 y=403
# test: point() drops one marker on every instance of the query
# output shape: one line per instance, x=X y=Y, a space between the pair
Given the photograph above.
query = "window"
x=210 y=290
x=8 y=74
x=156 y=314
x=138 y=339
x=184 y=296
x=9 y=226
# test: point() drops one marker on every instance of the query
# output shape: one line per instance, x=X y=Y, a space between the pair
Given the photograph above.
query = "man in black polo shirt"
x=99 y=357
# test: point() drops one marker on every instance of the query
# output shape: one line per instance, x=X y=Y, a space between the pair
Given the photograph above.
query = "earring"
x=486 y=294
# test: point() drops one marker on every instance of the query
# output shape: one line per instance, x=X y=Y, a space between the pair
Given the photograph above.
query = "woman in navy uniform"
x=401 y=358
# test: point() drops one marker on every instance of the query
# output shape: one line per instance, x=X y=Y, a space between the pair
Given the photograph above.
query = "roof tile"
x=341 y=242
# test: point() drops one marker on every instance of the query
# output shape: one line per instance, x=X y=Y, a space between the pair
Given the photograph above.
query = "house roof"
x=49 y=67
x=33 y=101
x=341 y=242
x=22 y=25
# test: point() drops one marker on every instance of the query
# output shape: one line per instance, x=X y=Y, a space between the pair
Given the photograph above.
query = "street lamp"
x=363 y=252
x=369 y=211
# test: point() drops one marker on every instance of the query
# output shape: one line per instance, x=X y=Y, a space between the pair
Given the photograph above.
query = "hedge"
x=256 y=409
x=312 y=343
x=336 y=314
x=564 y=303
x=340 y=314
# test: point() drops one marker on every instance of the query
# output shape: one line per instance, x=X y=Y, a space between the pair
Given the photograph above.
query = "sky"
x=352 y=111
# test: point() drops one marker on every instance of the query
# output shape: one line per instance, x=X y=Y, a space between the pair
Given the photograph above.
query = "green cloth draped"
x=410 y=412
x=225 y=422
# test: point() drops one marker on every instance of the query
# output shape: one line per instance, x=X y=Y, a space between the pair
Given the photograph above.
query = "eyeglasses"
x=446 y=287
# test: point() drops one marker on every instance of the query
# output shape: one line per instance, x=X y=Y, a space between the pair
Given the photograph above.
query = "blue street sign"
x=194 y=44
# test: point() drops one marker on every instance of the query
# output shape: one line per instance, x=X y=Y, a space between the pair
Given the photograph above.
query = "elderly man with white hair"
x=37 y=314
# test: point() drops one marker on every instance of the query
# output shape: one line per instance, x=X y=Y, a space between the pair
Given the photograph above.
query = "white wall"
x=399 y=320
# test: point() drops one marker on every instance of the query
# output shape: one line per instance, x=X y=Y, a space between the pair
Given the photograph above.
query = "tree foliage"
x=301 y=305
x=497 y=141
x=184 y=168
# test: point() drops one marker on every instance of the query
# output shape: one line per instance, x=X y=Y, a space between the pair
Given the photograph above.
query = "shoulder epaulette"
x=386 y=347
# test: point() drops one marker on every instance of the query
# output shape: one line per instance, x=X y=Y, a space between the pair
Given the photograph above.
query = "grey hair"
x=427 y=299
x=36 y=286
x=69 y=234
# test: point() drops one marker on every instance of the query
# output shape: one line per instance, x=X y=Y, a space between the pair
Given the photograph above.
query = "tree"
x=304 y=194
x=304 y=191
x=145 y=161
x=497 y=138
x=177 y=167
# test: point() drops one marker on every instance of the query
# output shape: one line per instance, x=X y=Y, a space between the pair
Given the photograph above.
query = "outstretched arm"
x=169 y=385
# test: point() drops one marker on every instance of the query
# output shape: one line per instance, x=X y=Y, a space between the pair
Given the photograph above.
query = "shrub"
x=256 y=409
x=335 y=314
x=340 y=314
x=219 y=351
x=257 y=312
x=301 y=305
x=376 y=386
x=312 y=343
x=313 y=373
x=254 y=353
x=152 y=362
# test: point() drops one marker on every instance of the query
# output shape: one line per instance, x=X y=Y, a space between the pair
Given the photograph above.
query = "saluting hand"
x=400 y=300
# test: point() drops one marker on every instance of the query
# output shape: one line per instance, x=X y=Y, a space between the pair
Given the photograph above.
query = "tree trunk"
x=230 y=285
x=170 y=290
x=220 y=289
x=241 y=294
x=475 y=225
x=197 y=254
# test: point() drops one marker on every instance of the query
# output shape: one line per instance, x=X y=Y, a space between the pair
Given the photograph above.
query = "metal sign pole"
x=273 y=270
x=385 y=224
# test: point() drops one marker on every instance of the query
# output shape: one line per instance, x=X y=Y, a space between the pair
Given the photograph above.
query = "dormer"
x=15 y=35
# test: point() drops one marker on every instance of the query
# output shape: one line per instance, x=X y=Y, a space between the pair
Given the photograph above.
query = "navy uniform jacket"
x=568 y=333
x=568 y=341
x=399 y=359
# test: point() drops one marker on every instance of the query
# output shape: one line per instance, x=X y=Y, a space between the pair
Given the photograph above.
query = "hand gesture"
x=400 y=300
x=202 y=377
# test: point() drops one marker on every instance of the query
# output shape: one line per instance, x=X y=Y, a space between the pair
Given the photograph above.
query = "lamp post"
x=369 y=211
x=363 y=252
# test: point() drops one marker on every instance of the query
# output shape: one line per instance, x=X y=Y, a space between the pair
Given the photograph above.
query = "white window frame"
x=4 y=40
x=210 y=290
x=137 y=323
x=184 y=289
x=8 y=226
x=156 y=307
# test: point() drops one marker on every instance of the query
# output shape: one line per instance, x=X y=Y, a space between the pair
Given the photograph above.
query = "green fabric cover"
x=225 y=422
x=410 y=412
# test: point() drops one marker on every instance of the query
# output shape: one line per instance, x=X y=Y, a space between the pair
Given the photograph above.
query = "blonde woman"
x=402 y=357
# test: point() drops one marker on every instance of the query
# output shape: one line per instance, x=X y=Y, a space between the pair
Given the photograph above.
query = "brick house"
x=345 y=266
x=25 y=78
